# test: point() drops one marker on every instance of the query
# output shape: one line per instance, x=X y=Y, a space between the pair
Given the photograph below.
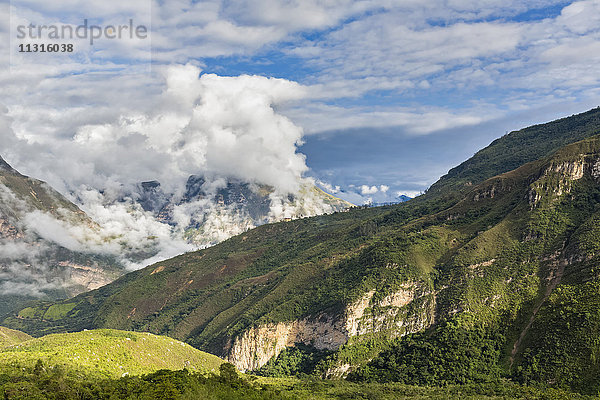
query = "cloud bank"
x=224 y=129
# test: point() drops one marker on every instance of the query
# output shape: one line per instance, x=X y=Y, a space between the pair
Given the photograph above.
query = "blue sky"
x=388 y=94
x=393 y=155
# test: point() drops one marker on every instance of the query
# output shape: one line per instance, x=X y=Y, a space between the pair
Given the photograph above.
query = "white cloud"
x=408 y=193
x=212 y=125
x=318 y=117
x=414 y=48
x=329 y=187
x=581 y=17
x=366 y=189
x=401 y=52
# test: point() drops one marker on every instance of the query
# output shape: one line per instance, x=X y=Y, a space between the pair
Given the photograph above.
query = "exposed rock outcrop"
x=406 y=310
x=558 y=179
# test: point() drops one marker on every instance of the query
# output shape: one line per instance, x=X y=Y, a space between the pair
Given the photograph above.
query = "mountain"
x=50 y=249
x=515 y=149
x=21 y=194
x=31 y=264
x=484 y=277
x=207 y=214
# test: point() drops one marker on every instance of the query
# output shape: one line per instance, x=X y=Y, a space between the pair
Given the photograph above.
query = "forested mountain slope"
x=495 y=279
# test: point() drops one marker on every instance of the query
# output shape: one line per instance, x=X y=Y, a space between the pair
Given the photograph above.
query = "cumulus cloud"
x=365 y=189
x=409 y=193
x=363 y=194
x=328 y=186
x=221 y=128
x=419 y=48
x=204 y=124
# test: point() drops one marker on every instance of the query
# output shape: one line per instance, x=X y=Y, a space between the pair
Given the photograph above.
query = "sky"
x=372 y=99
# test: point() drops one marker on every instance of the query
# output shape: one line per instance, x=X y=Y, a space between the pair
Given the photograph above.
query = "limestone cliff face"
x=408 y=309
x=557 y=179
x=596 y=169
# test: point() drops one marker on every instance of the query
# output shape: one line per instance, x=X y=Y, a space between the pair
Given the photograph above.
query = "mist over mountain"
x=37 y=259
x=208 y=213
x=497 y=272
x=211 y=159
x=50 y=248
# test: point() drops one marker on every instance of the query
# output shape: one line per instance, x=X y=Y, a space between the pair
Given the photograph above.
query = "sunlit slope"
x=9 y=337
x=516 y=149
x=109 y=353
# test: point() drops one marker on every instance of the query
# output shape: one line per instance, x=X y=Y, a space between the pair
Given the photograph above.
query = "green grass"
x=58 y=311
x=108 y=353
x=9 y=337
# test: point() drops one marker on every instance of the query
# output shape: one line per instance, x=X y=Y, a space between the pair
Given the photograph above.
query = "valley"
x=488 y=277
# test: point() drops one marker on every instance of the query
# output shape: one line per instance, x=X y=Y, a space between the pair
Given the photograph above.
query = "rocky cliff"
x=409 y=309
x=208 y=213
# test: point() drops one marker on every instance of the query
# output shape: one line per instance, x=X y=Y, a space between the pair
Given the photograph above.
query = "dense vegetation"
x=46 y=382
x=568 y=354
x=299 y=361
x=58 y=367
x=453 y=352
x=499 y=274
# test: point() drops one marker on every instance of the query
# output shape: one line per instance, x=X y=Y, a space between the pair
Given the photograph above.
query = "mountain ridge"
x=32 y=265
x=479 y=262
x=62 y=251
x=5 y=166
x=518 y=148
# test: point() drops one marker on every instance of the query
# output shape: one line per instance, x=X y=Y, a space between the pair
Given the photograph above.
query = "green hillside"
x=518 y=148
x=108 y=353
x=469 y=284
x=9 y=337
x=264 y=270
